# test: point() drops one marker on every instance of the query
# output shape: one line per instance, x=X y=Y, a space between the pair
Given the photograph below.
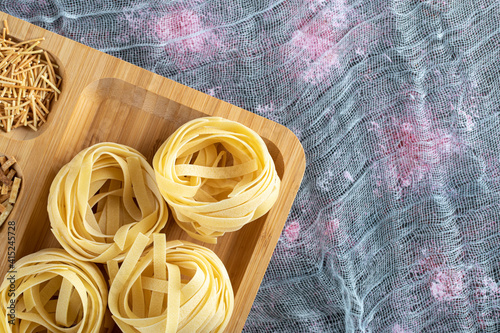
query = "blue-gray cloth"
x=396 y=225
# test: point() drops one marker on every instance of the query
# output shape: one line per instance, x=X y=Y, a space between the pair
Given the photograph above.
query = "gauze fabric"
x=395 y=227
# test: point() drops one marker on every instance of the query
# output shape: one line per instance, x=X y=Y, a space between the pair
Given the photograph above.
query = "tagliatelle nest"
x=175 y=287
x=51 y=291
x=102 y=199
x=216 y=175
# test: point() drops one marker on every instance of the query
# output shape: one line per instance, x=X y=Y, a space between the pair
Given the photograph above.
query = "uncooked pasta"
x=175 y=287
x=102 y=199
x=50 y=291
x=216 y=175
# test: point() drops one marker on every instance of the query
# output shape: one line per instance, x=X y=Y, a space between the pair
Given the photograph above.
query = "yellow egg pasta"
x=216 y=175
x=50 y=291
x=176 y=286
x=102 y=199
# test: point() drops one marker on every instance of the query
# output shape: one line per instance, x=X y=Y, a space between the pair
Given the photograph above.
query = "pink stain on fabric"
x=332 y=227
x=313 y=45
x=185 y=25
x=137 y=21
x=316 y=4
x=399 y=329
x=213 y=91
x=447 y=285
x=469 y=120
x=316 y=41
x=292 y=231
x=410 y=151
x=491 y=285
x=347 y=175
x=265 y=108
x=488 y=288
x=320 y=69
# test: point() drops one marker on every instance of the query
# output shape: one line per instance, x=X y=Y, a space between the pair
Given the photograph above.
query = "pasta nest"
x=175 y=287
x=50 y=291
x=102 y=199
x=216 y=175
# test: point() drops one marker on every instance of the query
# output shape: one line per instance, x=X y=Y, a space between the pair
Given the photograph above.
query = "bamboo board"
x=106 y=99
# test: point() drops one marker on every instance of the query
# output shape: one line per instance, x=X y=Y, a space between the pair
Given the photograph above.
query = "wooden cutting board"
x=106 y=99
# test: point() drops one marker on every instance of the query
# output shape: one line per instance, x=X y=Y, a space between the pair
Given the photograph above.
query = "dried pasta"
x=50 y=291
x=29 y=81
x=216 y=175
x=10 y=186
x=175 y=287
x=102 y=199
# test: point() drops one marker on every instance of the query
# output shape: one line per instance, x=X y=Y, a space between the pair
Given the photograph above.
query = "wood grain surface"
x=106 y=99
